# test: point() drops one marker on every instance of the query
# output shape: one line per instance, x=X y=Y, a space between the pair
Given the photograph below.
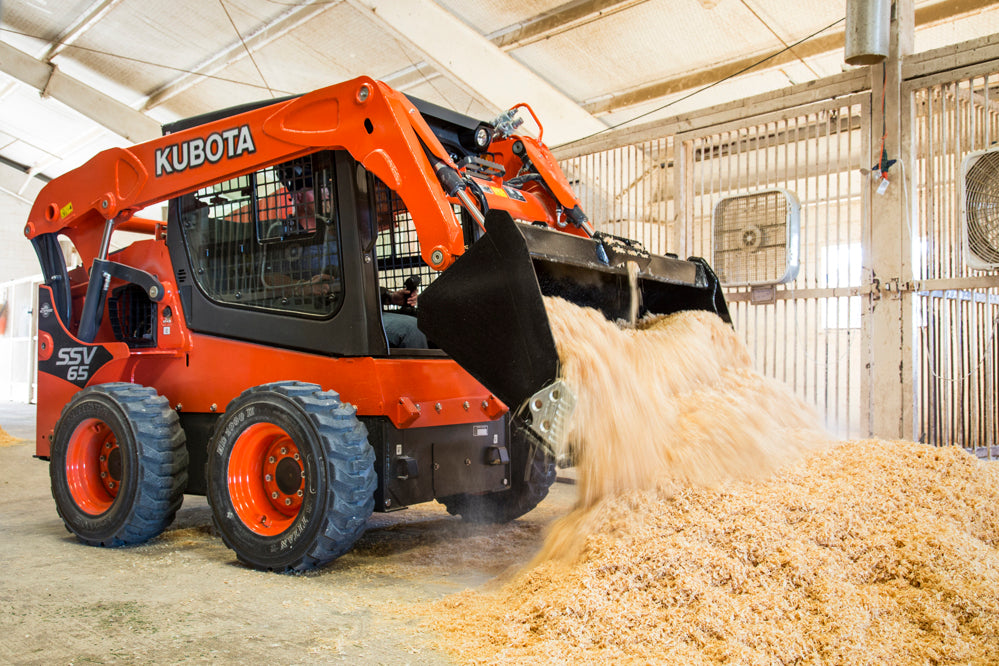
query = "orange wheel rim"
x=266 y=479
x=93 y=466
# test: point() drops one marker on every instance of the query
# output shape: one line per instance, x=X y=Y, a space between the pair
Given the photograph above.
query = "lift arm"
x=378 y=126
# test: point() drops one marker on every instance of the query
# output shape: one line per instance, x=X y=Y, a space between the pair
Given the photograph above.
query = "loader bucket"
x=487 y=309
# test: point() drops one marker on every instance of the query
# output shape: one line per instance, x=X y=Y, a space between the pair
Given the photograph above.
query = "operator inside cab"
x=399 y=324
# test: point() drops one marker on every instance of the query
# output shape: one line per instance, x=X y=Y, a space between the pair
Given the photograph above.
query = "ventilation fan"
x=980 y=204
x=756 y=238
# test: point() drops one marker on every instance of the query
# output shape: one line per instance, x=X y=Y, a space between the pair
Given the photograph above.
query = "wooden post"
x=888 y=242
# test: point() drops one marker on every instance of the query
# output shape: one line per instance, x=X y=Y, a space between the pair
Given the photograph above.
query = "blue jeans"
x=402 y=332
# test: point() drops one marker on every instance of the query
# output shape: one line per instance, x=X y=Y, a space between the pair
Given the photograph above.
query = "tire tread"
x=161 y=456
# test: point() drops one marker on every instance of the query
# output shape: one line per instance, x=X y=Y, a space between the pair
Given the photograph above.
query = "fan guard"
x=980 y=204
x=756 y=238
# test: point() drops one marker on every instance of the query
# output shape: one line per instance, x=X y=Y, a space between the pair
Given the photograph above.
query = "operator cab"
x=297 y=255
x=302 y=253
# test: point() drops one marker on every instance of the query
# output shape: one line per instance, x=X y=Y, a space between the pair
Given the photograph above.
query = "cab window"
x=269 y=239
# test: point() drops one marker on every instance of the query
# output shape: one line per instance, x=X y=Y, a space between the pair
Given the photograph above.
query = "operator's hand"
x=403 y=297
x=321 y=284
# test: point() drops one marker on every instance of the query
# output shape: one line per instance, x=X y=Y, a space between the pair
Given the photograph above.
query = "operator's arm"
x=400 y=297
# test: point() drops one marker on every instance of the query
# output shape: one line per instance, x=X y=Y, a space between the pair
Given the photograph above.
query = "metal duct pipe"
x=867 y=35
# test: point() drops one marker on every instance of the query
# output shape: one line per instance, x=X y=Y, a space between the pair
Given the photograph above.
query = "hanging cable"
x=707 y=87
x=149 y=63
x=249 y=53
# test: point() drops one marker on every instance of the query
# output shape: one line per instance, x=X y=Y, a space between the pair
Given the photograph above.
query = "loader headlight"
x=482 y=137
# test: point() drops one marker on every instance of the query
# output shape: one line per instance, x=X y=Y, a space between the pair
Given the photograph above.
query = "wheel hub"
x=110 y=466
x=93 y=466
x=284 y=479
x=288 y=476
x=266 y=479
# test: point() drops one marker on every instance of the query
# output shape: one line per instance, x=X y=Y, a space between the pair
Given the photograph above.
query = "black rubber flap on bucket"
x=487 y=313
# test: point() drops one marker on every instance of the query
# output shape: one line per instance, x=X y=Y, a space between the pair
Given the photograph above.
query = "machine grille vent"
x=980 y=185
x=132 y=316
x=756 y=238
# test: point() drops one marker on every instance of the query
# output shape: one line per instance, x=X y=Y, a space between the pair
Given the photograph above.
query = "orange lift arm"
x=376 y=124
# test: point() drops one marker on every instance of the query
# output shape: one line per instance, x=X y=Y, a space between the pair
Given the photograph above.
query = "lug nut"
x=271 y=460
x=287 y=501
x=104 y=475
x=274 y=495
x=284 y=450
x=268 y=477
x=300 y=493
x=297 y=457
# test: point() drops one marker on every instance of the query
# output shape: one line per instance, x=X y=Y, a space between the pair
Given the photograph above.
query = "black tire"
x=118 y=464
x=291 y=476
x=533 y=472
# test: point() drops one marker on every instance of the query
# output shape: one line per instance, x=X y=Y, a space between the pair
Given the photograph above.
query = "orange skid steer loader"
x=255 y=348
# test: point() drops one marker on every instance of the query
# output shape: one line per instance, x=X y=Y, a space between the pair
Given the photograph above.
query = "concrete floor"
x=183 y=598
x=18 y=419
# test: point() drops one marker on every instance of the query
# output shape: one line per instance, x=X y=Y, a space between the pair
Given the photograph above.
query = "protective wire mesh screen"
x=754 y=238
x=981 y=202
x=400 y=266
x=956 y=310
x=269 y=239
x=132 y=316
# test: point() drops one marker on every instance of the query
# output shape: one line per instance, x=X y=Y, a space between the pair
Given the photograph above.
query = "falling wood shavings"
x=865 y=552
x=675 y=397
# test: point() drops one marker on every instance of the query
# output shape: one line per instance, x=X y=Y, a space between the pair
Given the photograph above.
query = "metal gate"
x=956 y=307
x=807 y=333
x=18 y=339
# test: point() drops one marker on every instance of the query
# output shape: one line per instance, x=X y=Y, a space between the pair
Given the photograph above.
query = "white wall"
x=17 y=340
x=18 y=270
x=17 y=257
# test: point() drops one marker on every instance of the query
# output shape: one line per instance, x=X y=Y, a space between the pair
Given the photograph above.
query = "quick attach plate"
x=547 y=414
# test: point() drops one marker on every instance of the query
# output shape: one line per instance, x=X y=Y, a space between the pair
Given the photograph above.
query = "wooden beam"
x=86 y=20
x=557 y=20
x=103 y=109
x=887 y=323
x=284 y=23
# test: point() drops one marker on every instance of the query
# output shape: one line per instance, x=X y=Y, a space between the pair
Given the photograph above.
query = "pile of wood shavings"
x=684 y=548
x=872 y=552
x=6 y=439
